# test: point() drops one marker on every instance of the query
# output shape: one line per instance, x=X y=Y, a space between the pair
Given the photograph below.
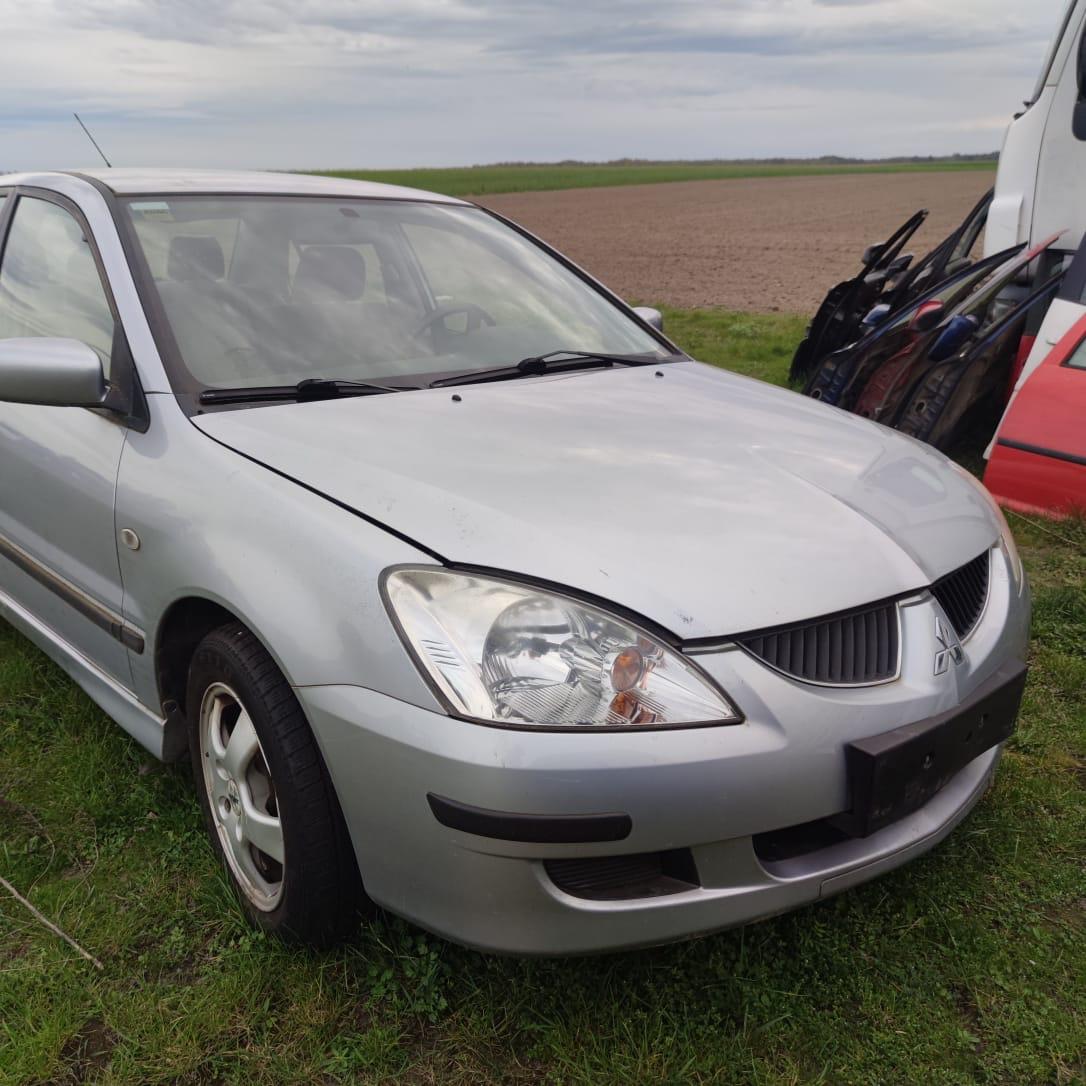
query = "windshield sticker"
x=153 y=209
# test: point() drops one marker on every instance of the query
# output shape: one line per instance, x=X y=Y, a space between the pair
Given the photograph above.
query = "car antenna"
x=93 y=140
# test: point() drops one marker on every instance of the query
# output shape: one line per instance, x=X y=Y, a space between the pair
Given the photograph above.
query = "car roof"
x=133 y=182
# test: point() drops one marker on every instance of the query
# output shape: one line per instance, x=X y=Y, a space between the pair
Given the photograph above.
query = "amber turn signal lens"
x=627 y=707
x=627 y=670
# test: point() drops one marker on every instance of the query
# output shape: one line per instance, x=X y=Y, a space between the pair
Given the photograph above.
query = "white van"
x=1043 y=161
x=1040 y=186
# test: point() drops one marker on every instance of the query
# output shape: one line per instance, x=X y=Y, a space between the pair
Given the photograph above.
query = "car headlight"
x=510 y=654
x=1010 y=551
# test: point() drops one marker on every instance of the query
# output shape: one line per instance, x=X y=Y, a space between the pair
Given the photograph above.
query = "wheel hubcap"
x=241 y=794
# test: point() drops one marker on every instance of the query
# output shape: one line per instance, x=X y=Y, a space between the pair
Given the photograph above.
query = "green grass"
x=968 y=965
x=755 y=344
x=532 y=177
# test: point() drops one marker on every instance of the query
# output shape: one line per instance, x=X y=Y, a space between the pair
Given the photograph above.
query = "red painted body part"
x=1038 y=464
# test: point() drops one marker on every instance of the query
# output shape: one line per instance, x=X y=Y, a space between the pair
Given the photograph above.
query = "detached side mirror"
x=928 y=317
x=650 y=316
x=958 y=331
x=51 y=372
x=876 y=315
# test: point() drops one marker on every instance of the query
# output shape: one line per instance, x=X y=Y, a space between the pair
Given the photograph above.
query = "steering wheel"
x=476 y=314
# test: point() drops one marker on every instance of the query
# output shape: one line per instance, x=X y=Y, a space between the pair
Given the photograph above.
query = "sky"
x=316 y=84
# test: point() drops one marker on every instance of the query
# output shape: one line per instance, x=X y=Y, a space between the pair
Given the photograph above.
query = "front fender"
x=300 y=571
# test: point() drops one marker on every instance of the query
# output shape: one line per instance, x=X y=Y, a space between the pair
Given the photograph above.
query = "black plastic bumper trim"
x=578 y=829
x=1041 y=450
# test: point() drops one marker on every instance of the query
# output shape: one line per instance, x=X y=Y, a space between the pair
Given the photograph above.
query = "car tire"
x=270 y=788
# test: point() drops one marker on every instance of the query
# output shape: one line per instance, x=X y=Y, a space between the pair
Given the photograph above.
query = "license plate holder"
x=894 y=774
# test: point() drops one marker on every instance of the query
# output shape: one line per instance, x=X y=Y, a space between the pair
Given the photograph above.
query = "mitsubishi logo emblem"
x=950 y=648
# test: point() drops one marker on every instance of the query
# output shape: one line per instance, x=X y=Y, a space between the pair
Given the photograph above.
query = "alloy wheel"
x=242 y=796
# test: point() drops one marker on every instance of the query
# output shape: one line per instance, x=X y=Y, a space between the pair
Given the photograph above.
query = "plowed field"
x=763 y=244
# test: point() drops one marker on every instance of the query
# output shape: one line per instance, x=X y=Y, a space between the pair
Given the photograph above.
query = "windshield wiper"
x=554 y=362
x=313 y=388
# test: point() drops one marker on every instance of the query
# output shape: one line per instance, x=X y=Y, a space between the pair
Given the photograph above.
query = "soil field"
x=762 y=244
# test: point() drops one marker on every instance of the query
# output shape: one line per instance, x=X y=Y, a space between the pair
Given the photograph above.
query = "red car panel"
x=1038 y=464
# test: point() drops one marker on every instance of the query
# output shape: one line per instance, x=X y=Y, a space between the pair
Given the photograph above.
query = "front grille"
x=857 y=648
x=963 y=594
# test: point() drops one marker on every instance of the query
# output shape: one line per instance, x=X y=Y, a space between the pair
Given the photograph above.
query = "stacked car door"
x=1038 y=463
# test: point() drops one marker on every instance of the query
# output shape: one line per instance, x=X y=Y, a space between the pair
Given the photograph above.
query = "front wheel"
x=268 y=801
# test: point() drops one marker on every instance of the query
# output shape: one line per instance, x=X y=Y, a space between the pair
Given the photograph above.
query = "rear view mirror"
x=51 y=372
x=650 y=316
x=872 y=253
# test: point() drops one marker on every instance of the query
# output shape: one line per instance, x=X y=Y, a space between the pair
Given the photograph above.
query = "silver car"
x=467 y=593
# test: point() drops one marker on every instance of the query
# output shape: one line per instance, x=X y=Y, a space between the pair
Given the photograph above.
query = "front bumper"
x=711 y=793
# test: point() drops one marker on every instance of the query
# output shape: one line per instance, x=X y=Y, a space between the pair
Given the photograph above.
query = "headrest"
x=330 y=273
x=194 y=258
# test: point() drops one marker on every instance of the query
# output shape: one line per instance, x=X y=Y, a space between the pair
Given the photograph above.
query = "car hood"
x=710 y=503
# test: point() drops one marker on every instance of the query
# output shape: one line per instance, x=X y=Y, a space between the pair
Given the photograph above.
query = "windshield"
x=275 y=290
x=1050 y=56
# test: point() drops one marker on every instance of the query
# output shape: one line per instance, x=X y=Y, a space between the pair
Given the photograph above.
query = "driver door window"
x=49 y=282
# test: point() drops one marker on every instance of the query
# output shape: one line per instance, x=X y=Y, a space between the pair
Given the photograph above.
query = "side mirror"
x=872 y=253
x=51 y=372
x=876 y=315
x=958 y=331
x=928 y=317
x=650 y=316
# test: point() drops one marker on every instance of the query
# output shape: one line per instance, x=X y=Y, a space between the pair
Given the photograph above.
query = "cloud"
x=403 y=82
x=550 y=28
